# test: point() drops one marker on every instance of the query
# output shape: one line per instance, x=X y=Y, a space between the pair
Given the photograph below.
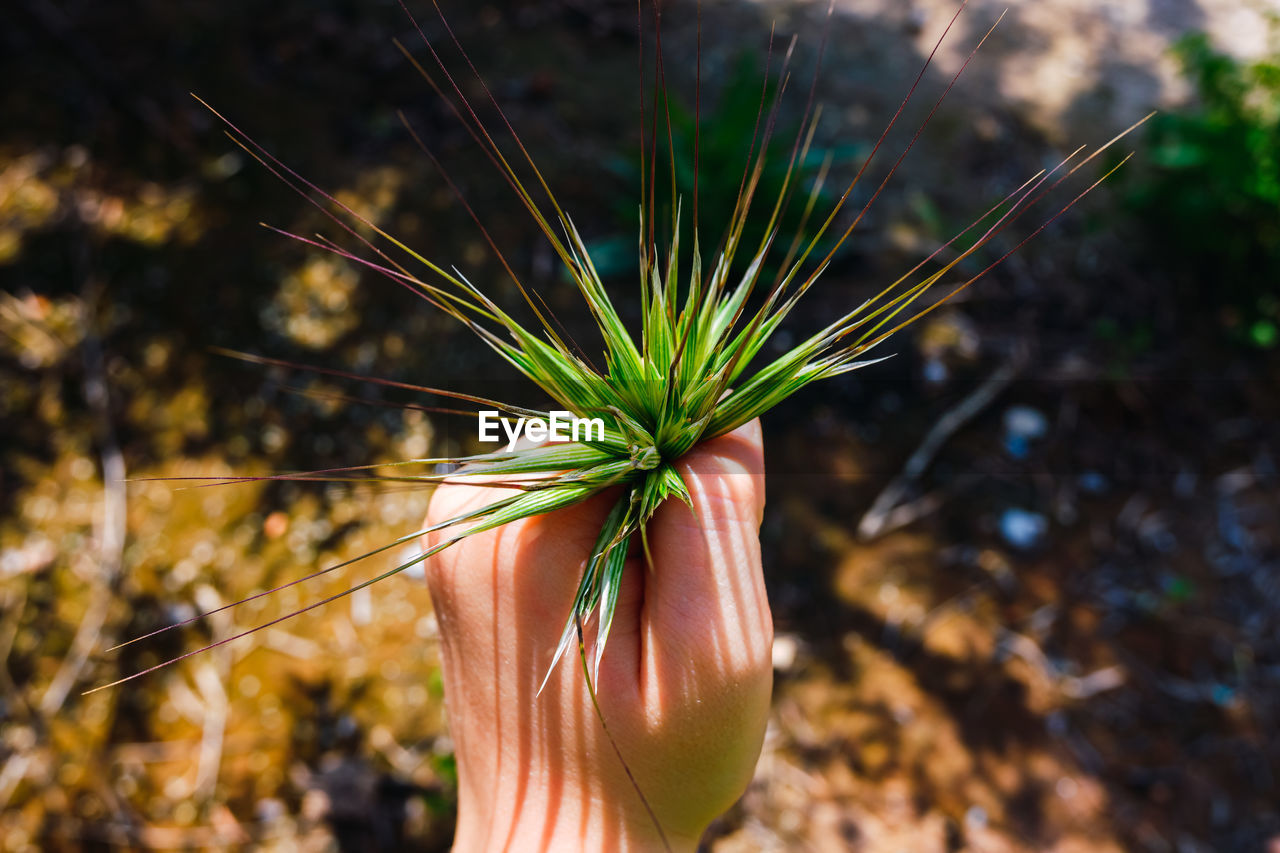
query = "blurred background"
x=1024 y=573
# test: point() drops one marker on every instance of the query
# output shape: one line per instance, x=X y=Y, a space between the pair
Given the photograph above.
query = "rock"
x=1023 y=425
x=1092 y=483
x=1023 y=529
x=785 y=649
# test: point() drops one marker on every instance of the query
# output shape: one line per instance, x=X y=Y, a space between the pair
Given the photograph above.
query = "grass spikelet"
x=695 y=368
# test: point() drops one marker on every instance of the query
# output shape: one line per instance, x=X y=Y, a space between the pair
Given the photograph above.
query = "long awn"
x=689 y=378
x=693 y=370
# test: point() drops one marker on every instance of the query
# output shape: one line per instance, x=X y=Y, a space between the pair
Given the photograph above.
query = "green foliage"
x=697 y=363
x=1210 y=203
x=689 y=373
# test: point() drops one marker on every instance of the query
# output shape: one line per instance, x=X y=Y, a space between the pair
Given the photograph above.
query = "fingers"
x=705 y=601
x=705 y=595
x=502 y=598
x=739 y=456
x=534 y=564
x=546 y=551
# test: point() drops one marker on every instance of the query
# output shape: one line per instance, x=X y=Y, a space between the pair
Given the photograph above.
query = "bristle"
x=960 y=288
x=389 y=383
x=697 y=116
x=690 y=374
x=240 y=635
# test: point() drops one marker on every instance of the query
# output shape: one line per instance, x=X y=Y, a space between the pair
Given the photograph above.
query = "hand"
x=684 y=684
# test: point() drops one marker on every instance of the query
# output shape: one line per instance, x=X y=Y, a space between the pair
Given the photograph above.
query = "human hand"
x=684 y=685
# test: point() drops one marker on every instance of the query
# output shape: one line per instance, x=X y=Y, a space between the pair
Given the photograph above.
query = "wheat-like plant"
x=695 y=368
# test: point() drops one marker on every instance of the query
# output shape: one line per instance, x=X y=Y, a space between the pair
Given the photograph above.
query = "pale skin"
x=684 y=685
